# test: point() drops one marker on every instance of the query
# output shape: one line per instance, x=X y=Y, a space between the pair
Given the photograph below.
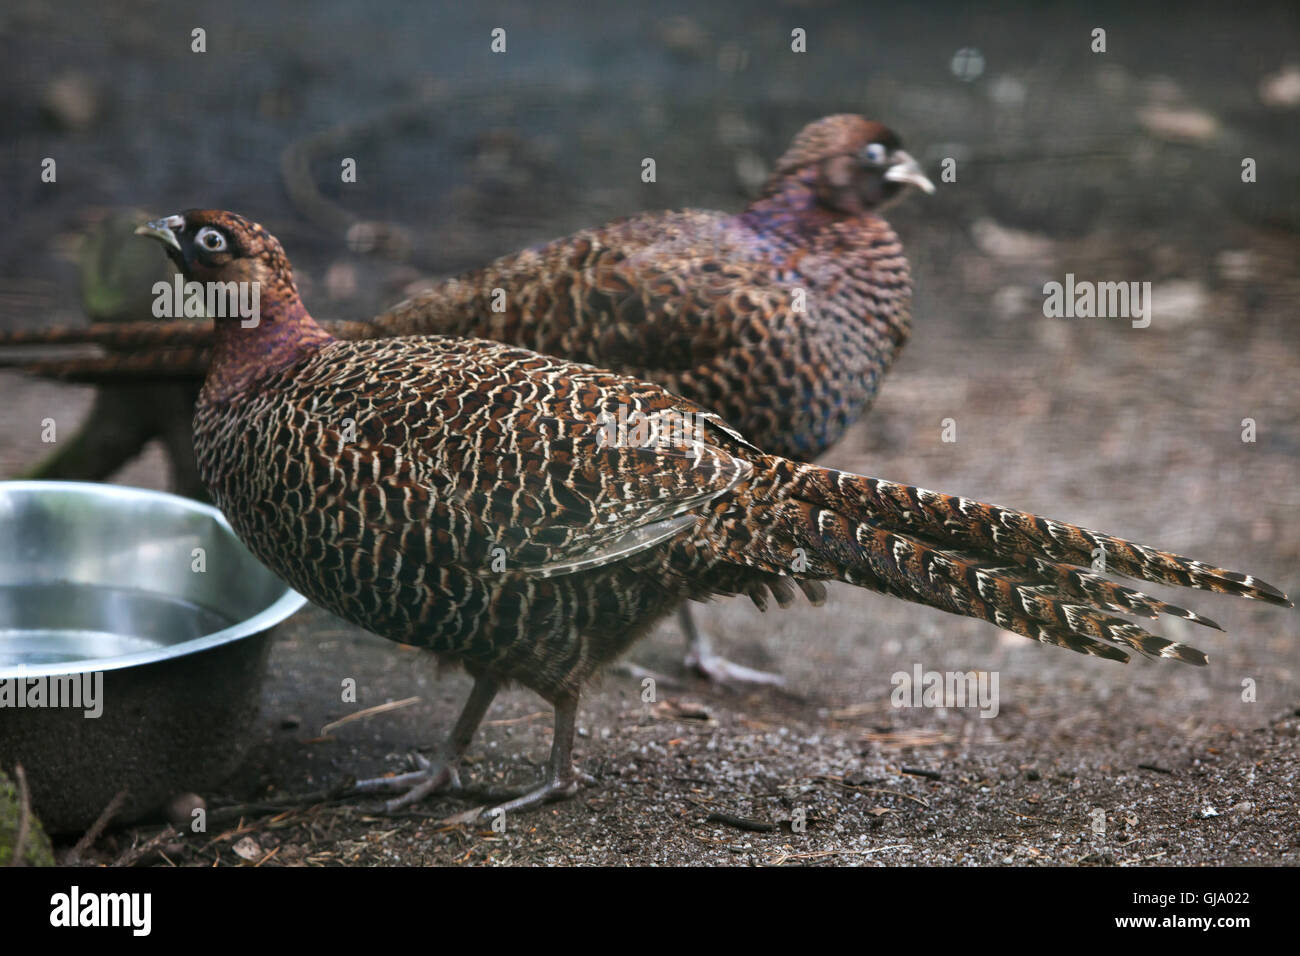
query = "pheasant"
x=781 y=319
x=470 y=497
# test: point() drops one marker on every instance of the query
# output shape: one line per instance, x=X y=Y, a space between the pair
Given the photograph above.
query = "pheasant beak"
x=905 y=169
x=164 y=230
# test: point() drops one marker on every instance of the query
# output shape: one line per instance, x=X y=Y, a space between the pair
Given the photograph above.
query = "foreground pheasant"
x=464 y=496
x=781 y=319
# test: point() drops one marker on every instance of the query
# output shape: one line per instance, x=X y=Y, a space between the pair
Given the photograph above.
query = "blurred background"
x=1122 y=165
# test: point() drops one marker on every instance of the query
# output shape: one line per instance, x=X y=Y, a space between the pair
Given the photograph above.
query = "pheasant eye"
x=875 y=153
x=210 y=239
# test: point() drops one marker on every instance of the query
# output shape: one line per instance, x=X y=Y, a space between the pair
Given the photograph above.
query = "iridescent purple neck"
x=285 y=334
x=790 y=205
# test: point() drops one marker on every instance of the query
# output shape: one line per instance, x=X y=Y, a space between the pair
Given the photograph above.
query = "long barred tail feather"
x=1022 y=572
x=139 y=352
x=136 y=368
x=985 y=527
x=116 y=335
x=159 y=334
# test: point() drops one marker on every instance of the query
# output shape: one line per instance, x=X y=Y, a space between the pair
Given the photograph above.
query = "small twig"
x=507 y=721
x=282 y=805
x=135 y=854
x=1154 y=767
x=1027 y=816
x=265 y=858
x=812 y=856
x=90 y=836
x=740 y=823
x=840 y=782
x=894 y=793
x=922 y=772
x=24 y=816
x=239 y=830
x=899 y=739
x=369 y=712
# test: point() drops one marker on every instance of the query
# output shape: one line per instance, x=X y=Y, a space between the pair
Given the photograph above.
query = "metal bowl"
x=144 y=625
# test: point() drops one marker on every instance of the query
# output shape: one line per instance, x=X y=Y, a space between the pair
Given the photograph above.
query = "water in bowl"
x=64 y=622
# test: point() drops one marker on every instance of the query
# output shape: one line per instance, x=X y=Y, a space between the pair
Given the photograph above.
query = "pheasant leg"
x=563 y=779
x=439 y=773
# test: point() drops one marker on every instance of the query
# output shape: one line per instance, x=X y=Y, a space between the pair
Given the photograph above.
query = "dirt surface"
x=1117 y=167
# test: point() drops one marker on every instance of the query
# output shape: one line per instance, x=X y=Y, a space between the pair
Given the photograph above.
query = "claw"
x=701 y=660
x=438 y=774
x=442 y=778
x=432 y=776
x=552 y=790
x=719 y=670
x=563 y=779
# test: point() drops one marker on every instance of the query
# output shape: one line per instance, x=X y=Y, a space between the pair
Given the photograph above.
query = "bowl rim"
x=282 y=608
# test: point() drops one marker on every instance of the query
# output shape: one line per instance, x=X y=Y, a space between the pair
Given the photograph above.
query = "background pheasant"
x=781 y=319
x=462 y=452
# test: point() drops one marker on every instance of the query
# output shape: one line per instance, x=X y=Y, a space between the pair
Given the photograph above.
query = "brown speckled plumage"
x=781 y=319
x=459 y=495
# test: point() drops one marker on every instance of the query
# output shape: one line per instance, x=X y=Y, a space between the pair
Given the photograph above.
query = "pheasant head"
x=852 y=164
x=211 y=245
x=225 y=252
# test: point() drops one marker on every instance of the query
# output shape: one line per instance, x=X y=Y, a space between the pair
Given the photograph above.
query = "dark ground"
x=1115 y=167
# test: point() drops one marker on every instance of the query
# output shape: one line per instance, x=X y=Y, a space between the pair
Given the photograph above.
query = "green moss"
x=119 y=269
x=36 y=849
